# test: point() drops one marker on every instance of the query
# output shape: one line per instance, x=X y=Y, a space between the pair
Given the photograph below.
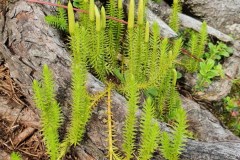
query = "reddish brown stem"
x=75 y=9
x=186 y=52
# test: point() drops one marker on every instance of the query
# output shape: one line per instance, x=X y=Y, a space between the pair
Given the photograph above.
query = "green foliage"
x=155 y=53
x=15 y=156
x=190 y=63
x=80 y=106
x=172 y=145
x=132 y=55
x=202 y=40
x=44 y=97
x=210 y=67
x=131 y=119
x=232 y=105
x=147 y=64
x=166 y=83
x=77 y=3
x=120 y=26
x=230 y=114
x=97 y=59
x=59 y=20
x=143 y=58
x=112 y=150
x=174 y=19
x=174 y=101
x=114 y=32
x=84 y=18
x=149 y=132
x=207 y=64
x=236 y=87
x=207 y=71
x=216 y=52
x=196 y=46
x=71 y=18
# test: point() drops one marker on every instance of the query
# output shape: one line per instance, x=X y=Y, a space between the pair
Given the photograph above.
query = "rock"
x=165 y=30
x=204 y=125
x=211 y=151
x=219 y=14
x=164 y=11
x=189 y=22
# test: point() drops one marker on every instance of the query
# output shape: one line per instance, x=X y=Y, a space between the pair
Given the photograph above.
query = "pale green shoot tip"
x=91 y=10
x=140 y=12
x=71 y=18
x=174 y=81
x=131 y=15
x=98 y=23
x=103 y=18
x=120 y=6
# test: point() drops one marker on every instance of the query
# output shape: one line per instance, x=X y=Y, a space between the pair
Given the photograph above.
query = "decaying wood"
x=13 y=112
x=27 y=132
x=28 y=43
x=4 y=155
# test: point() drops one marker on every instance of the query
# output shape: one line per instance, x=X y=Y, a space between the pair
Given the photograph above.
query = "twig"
x=27 y=132
x=28 y=153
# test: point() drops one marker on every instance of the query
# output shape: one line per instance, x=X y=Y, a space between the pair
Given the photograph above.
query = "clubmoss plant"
x=174 y=19
x=197 y=45
x=45 y=100
x=147 y=66
x=81 y=108
x=150 y=132
x=129 y=133
x=15 y=156
x=59 y=20
x=114 y=31
x=97 y=59
x=112 y=150
x=203 y=35
x=172 y=145
x=71 y=18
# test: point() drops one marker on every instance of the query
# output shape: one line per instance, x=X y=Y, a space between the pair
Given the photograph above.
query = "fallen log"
x=28 y=46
